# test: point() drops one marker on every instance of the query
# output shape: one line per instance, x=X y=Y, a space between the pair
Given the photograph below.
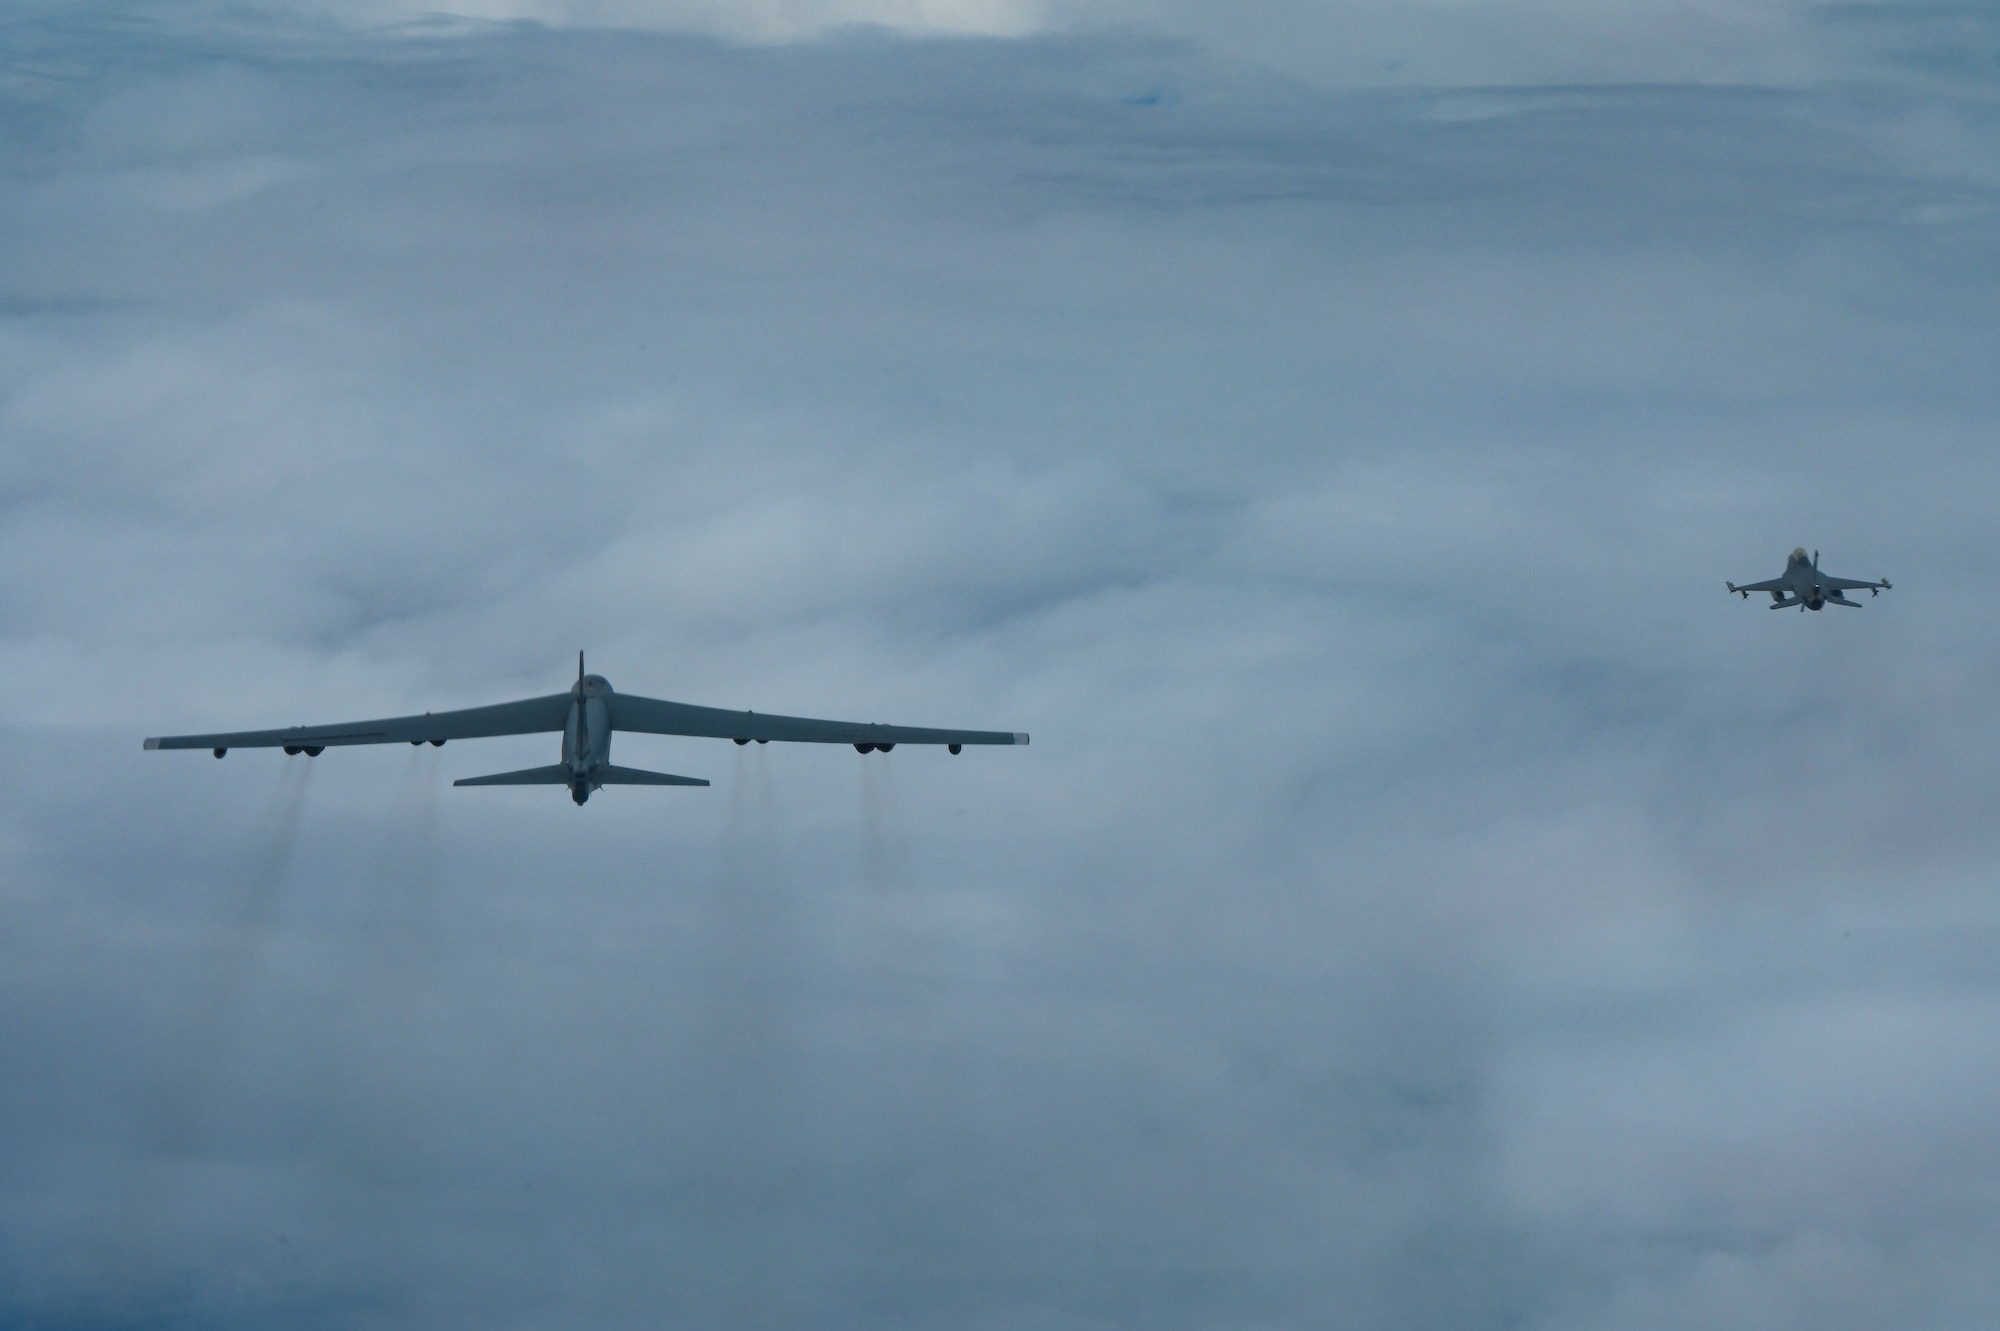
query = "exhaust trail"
x=394 y=908
x=376 y=1049
x=885 y=835
x=193 y=1072
x=748 y=1049
x=885 y=856
x=399 y=907
x=134 y=1241
x=748 y=919
x=764 y=792
x=909 y=1000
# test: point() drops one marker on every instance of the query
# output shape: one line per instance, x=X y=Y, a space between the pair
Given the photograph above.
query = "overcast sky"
x=1429 y=902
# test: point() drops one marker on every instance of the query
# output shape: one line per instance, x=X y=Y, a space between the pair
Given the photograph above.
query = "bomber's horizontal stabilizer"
x=632 y=776
x=531 y=776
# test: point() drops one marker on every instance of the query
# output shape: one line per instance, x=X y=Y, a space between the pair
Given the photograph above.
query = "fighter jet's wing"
x=1847 y=584
x=653 y=717
x=527 y=717
x=1774 y=585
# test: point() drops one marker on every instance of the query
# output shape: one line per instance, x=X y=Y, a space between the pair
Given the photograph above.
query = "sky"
x=1429 y=901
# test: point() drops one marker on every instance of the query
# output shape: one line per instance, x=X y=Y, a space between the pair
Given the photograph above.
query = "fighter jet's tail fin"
x=532 y=776
x=1837 y=599
x=1788 y=601
x=632 y=776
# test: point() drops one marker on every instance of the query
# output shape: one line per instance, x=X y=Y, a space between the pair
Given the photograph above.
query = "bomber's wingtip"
x=152 y=743
x=1020 y=739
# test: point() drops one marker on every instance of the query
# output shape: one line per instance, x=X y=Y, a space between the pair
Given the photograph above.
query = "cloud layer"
x=1429 y=901
x=1329 y=43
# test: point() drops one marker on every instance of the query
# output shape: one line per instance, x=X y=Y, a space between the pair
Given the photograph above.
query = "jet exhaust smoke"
x=747 y=1047
x=232 y=958
x=136 y=1243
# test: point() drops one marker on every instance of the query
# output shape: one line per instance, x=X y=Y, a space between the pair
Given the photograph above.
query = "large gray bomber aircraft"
x=586 y=715
x=1804 y=586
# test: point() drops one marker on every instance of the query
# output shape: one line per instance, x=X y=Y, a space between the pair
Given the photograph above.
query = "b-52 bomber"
x=586 y=715
x=1804 y=586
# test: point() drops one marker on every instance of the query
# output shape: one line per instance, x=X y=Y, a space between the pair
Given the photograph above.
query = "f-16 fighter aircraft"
x=586 y=716
x=1804 y=586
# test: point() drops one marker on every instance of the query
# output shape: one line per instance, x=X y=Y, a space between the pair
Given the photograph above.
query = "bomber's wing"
x=528 y=717
x=654 y=717
x=1848 y=584
x=1772 y=585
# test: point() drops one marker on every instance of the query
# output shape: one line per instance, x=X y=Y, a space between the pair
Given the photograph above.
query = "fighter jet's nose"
x=1799 y=554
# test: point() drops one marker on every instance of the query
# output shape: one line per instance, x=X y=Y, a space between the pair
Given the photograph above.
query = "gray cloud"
x=1344 y=43
x=1428 y=901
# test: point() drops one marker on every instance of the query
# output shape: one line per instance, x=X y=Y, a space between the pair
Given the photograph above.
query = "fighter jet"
x=586 y=715
x=1804 y=586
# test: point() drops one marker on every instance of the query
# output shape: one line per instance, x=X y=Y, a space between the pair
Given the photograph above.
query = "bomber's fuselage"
x=586 y=746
